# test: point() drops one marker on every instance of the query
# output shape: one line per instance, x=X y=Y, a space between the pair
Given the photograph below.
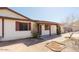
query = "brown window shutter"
x=29 y=26
x=17 y=26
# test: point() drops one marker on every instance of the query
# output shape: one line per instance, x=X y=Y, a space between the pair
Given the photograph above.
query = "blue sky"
x=54 y=14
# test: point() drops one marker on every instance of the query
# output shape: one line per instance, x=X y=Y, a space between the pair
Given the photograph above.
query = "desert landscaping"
x=24 y=34
x=34 y=45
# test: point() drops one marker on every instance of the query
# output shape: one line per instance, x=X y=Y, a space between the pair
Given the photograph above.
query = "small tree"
x=69 y=22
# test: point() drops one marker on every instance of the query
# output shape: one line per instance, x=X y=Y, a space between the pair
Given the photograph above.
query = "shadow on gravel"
x=28 y=42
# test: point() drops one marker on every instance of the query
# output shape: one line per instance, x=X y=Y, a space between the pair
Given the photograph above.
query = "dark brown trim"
x=14 y=18
x=27 y=18
x=39 y=29
x=2 y=27
x=45 y=22
x=50 y=30
x=29 y=25
x=15 y=12
x=18 y=25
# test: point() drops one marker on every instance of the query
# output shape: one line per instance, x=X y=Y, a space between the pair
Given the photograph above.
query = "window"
x=46 y=27
x=23 y=26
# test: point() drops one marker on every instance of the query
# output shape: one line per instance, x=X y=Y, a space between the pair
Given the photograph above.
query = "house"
x=13 y=25
x=75 y=26
x=46 y=27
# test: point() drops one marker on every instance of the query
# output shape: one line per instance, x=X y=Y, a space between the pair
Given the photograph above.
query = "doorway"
x=39 y=28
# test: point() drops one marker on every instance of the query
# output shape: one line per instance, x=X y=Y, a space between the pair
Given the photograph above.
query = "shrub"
x=35 y=35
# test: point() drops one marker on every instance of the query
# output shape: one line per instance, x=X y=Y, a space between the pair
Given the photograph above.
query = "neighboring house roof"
x=12 y=17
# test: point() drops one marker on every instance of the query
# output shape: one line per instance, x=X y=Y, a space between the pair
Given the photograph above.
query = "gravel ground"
x=32 y=45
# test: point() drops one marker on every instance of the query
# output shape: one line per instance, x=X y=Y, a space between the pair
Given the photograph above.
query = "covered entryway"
x=44 y=28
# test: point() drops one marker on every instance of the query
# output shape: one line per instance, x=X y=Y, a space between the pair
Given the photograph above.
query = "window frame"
x=47 y=27
x=18 y=26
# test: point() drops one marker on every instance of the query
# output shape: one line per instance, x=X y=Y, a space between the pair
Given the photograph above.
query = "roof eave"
x=16 y=13
x=14 y=18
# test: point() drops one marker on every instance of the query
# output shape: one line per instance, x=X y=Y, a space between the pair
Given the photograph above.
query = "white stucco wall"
x=10 y=32
x=53 y=29
x=44 y=32
x=62 y=28
x=0 y=27
x=34 y=27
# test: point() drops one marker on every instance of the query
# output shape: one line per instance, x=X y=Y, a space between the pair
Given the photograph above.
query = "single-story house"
x=14 y=25
x=75 y=26
x=46 y=27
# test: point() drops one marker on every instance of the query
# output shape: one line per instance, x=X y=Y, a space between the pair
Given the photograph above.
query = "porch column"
x=2 y=27
x=50 y=30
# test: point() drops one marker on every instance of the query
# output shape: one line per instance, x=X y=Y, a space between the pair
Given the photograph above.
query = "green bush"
x=35 y=35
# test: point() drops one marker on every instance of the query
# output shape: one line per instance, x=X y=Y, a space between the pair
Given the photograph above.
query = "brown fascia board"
x=38 y=21
x=13 y=18
x=15 y=12
x=45 y=22
x=61 y=24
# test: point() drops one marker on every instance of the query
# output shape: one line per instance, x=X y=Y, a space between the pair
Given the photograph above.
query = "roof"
x=26 y=18
x=15 y=13
x=46 y=22
x=14 y=18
